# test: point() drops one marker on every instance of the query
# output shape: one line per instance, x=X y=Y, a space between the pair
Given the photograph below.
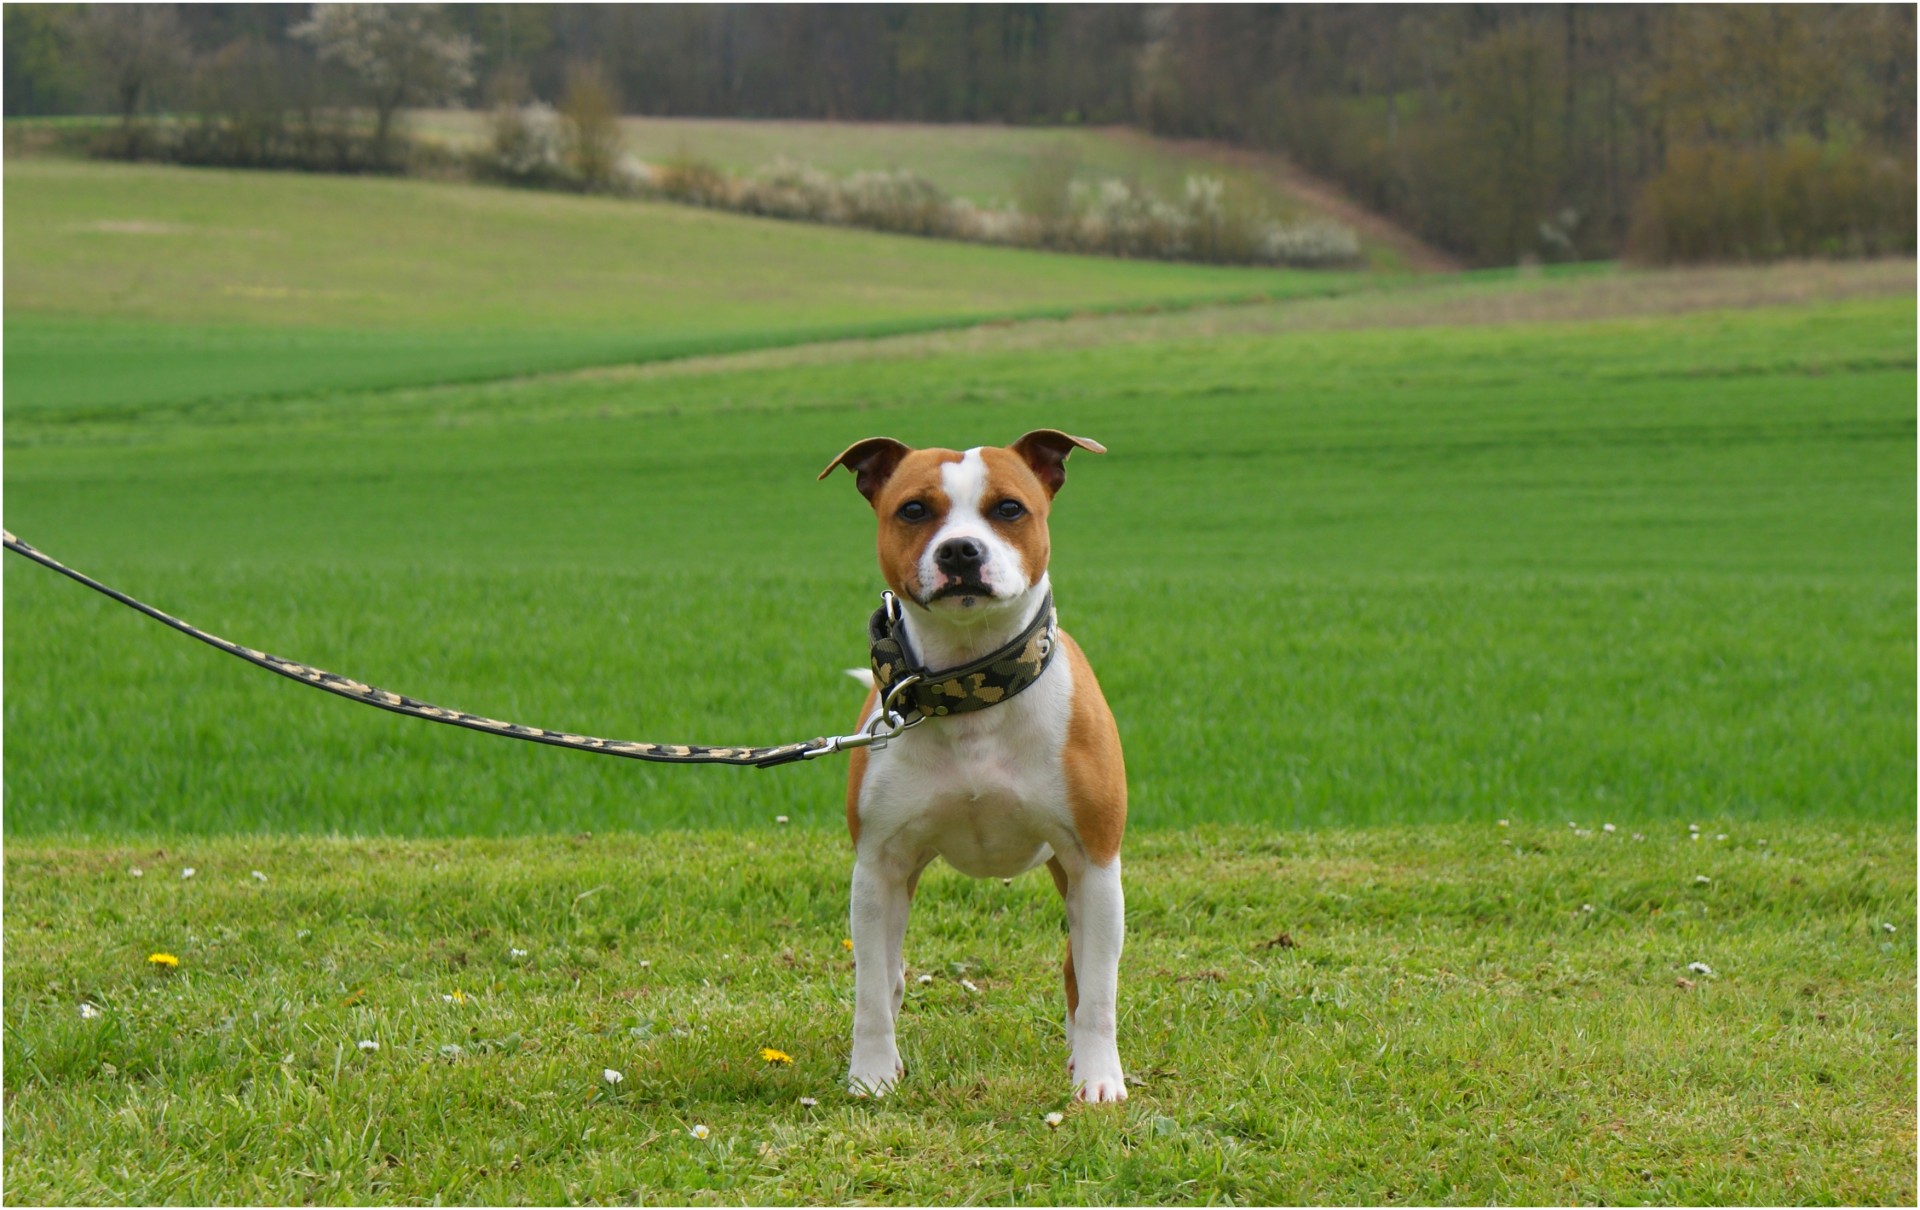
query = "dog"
x=1014 y=763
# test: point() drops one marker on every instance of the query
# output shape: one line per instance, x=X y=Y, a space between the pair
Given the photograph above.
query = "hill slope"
x=131 y=284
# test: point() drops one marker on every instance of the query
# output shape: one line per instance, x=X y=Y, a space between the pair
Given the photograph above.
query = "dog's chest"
x=986 y=791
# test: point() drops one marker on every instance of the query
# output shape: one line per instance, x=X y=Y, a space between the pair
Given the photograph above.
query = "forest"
x=1498 y=132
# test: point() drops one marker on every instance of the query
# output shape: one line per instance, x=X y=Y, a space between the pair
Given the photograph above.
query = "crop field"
x=1373 y=565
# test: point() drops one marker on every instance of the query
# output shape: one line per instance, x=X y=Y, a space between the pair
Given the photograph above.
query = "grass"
x=138 y=284
x=1650 y=566
x=988 y=164
x=1451 y=1024
x=982 y=163
x=1361 y=576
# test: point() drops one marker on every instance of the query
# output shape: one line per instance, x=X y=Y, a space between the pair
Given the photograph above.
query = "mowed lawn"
x=1357 y=590
x=1457 y=1014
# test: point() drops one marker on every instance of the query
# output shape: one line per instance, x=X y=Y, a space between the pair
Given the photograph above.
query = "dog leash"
x=909 y=694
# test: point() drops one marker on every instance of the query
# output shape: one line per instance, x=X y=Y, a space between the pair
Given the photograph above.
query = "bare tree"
x=135 y=48
x=402 y=54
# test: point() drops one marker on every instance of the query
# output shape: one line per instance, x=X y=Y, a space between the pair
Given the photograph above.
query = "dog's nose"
x=958 y=556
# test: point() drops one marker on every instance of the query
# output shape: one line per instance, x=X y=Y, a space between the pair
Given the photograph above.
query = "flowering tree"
x=402 y=54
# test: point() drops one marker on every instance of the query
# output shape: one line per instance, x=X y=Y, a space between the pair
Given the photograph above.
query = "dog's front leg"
x=882 y=894
x=1096 y=923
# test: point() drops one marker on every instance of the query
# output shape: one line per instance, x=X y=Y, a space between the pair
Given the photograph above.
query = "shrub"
x=1308 y=245
x=789 y=189
x=900 y=201
x=688 y=179
x=1795 y=199
x=1123 y=219
x=632 y=175
x=526 y=145
x=1045 y=193
x=592 y=116
x=1223 y=225
x=991 y=226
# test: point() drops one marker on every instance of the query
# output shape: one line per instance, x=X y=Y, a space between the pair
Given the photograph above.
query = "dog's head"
x=962 y=533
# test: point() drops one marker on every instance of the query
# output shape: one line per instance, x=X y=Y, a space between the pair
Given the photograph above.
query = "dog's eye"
x=1009 y=510
x=913 y=510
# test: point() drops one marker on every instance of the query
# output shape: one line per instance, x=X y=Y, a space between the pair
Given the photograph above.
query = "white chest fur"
x=986 y=791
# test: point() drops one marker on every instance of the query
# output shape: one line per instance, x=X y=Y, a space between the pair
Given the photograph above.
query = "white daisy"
x=368 y=1044
x=699 y=1131
x=1699 y=968
x=1053 y=1120
x=611 y=1076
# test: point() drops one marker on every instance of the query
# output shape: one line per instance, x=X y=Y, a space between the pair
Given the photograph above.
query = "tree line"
x=1496 y=131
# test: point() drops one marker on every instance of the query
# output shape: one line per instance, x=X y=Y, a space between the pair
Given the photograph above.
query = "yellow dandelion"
x=847 y=944
x=163 y=959
x=775 y=1056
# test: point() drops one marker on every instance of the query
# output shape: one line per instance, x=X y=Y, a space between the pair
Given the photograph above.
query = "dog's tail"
x=863 y=675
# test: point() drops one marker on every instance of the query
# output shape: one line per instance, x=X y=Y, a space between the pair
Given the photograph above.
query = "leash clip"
x=886 y=725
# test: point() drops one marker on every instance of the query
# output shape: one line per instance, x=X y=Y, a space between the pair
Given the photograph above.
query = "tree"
x=402 y=54
x=41 y=74
x=135 y=48
x=592 y=112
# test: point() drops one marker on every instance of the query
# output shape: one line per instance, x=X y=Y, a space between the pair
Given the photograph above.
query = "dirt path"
x=1315 y=193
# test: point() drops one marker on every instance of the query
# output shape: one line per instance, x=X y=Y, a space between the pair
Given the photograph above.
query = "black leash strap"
x=678 y=754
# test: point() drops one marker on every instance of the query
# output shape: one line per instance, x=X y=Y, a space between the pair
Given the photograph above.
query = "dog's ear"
x=1046 y=450
x=872 y=462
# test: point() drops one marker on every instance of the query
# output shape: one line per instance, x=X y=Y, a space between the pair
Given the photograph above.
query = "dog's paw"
x=874 y=1078
x=1104 y=1088
x=1097 y=1078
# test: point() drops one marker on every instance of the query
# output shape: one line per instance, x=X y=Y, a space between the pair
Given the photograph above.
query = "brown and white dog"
x=1036 y=778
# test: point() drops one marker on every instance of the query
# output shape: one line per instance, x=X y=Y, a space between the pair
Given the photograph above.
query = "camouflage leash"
x=969 y=688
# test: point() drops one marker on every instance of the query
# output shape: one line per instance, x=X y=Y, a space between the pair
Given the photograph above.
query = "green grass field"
x=138 y=284
x=1360 y=576
x=984 y=164
x=1450 y=1025
x=987 y=164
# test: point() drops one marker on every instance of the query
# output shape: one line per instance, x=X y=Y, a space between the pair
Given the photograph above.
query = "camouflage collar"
x=915 y=692
x=909 y=693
